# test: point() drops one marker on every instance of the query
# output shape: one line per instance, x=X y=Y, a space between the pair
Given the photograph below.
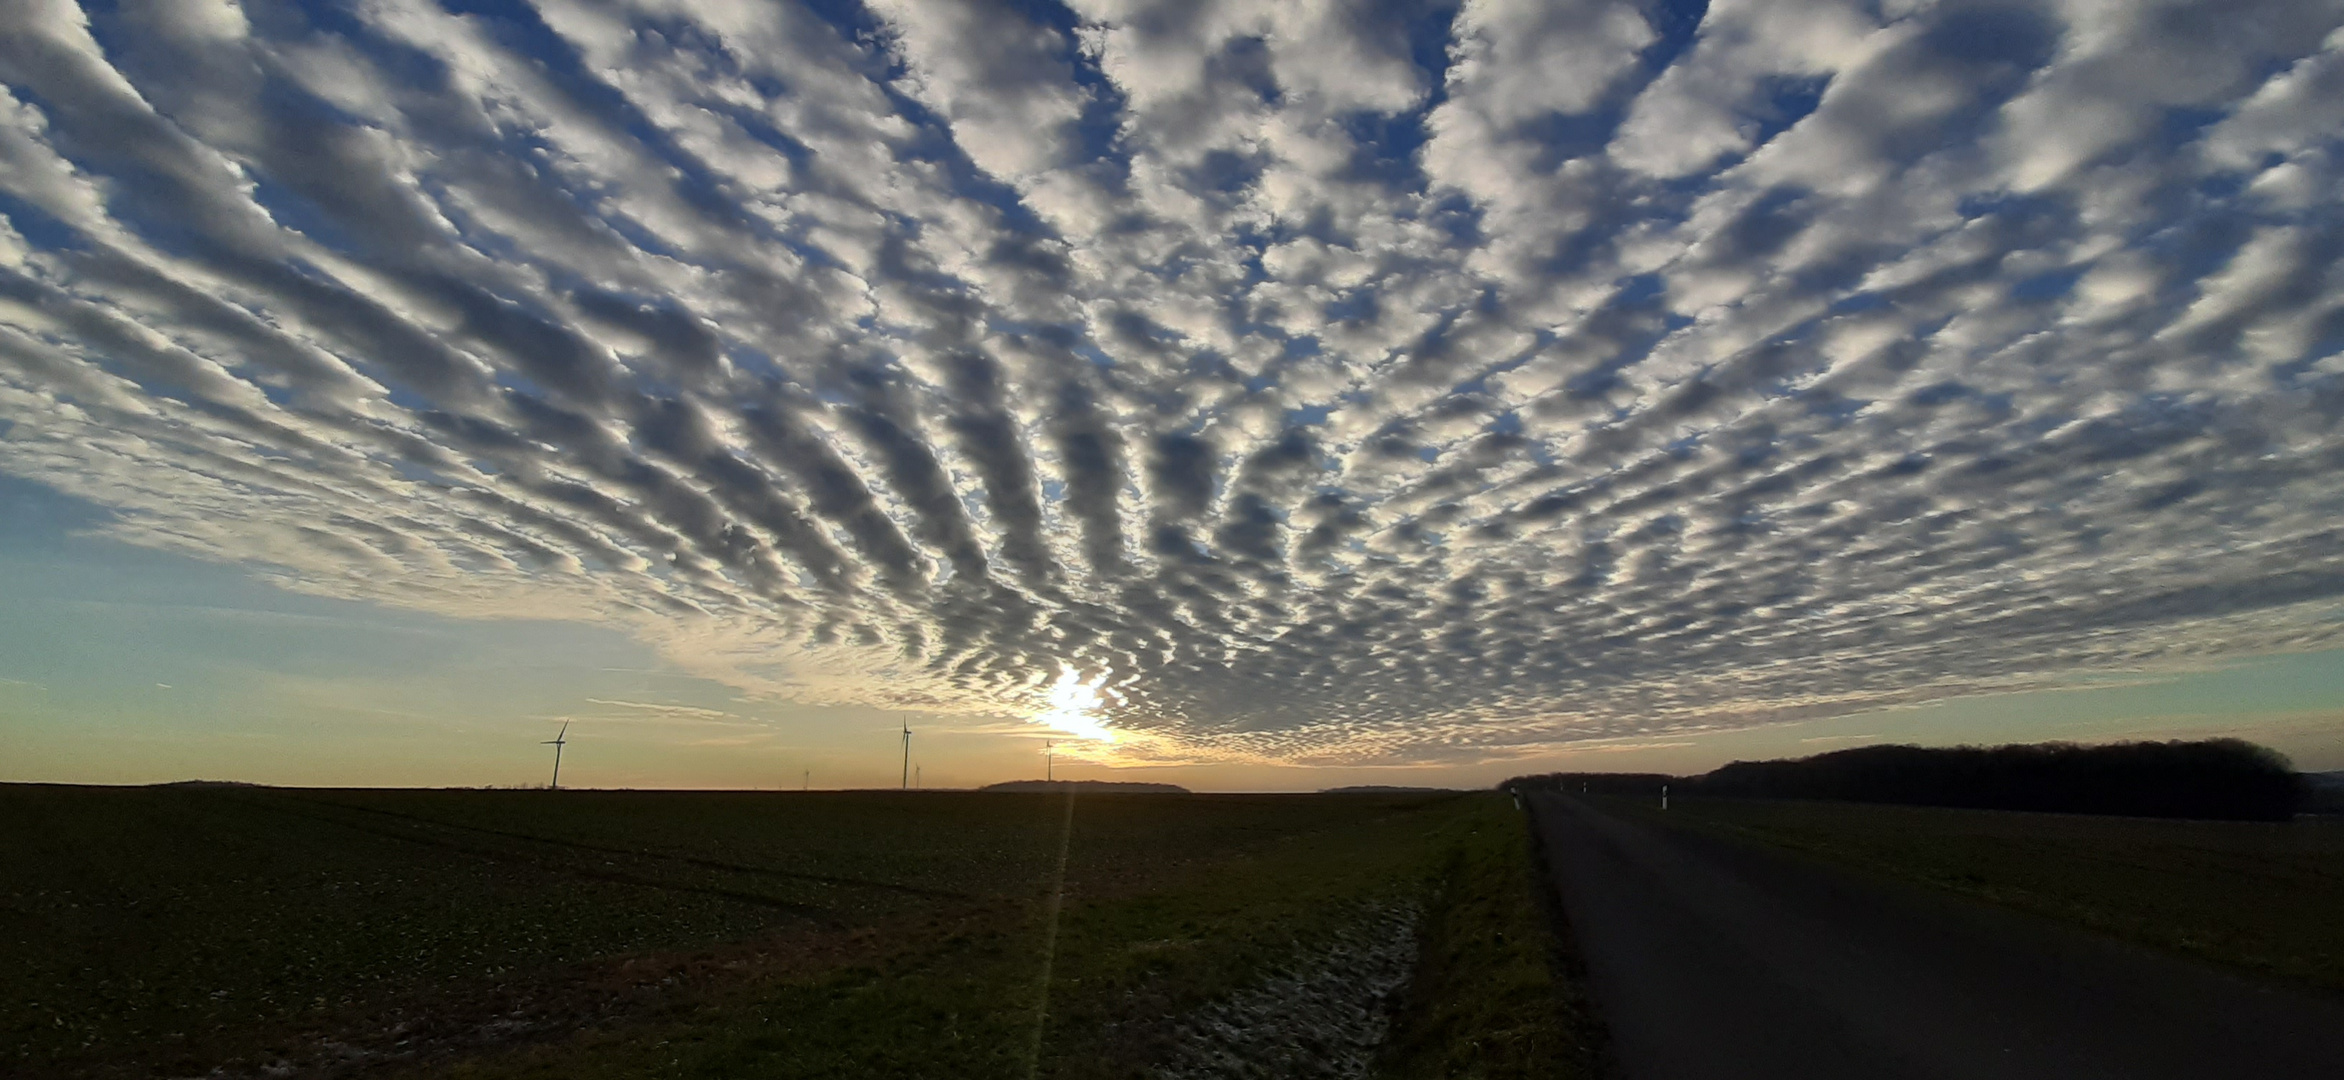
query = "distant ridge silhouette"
x=2216 y=779
x=2323 y=792
x=1386 y=789
x=1101 y=786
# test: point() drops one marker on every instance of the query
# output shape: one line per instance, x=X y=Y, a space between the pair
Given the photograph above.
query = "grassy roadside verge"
x=1497 y=994
x=2262 y=898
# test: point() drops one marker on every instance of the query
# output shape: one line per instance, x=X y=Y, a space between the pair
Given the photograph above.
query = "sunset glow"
x=1074 y=708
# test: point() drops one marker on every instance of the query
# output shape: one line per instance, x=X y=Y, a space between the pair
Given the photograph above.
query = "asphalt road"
x=1717 y=959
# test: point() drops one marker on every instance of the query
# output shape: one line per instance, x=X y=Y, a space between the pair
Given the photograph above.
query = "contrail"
x=1050 y=938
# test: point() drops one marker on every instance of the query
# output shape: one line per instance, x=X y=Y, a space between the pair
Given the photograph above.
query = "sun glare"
x=1073 y=708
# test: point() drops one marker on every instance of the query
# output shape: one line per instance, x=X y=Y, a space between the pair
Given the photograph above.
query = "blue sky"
x=1298 y=390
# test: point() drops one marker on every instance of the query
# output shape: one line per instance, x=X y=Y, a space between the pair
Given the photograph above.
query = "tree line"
x=2226 y=779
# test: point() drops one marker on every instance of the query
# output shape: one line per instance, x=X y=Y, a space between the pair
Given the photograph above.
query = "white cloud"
x=1710 y=103
x=1329 y=407
x=1002 y=82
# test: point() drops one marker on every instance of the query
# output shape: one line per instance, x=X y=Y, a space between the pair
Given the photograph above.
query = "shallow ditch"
x=1322 y=1015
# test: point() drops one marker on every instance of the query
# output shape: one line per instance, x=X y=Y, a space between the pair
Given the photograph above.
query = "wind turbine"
x=907 y=756
x=1049 y=761
x=557 y=742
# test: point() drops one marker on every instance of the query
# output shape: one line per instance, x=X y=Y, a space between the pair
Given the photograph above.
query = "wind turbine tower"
x=1049 y=761
x=907 y=756
x=557 y=742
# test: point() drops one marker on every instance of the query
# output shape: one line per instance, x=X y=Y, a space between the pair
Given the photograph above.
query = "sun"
x=1073 y=706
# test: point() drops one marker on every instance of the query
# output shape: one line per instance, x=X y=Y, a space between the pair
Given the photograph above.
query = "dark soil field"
x=234 y=931
x=2265 y=898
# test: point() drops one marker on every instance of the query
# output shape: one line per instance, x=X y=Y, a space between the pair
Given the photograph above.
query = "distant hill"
x=1087 y=787
x=1386 y=789
x=1596 y=783
x=2210 y=779
x=2323 y=792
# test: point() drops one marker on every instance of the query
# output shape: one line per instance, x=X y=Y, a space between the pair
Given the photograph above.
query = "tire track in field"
x=694 y=860
x=817 y=913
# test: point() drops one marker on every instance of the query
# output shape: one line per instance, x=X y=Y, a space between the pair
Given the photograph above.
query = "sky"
x=1241 y=394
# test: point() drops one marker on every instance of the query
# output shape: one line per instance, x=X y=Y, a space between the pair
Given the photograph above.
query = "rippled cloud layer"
x=1287 y=380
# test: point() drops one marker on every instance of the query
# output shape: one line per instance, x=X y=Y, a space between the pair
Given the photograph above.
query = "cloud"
x=1003 y=85
x=1329 y=383
x=688 y=712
